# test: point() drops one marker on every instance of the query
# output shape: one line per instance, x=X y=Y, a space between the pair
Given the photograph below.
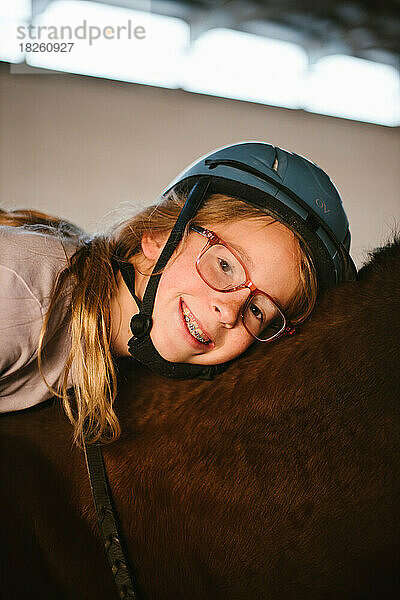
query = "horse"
x=278 y=479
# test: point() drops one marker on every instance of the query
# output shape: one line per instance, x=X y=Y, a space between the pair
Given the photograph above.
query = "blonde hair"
x=90 y=278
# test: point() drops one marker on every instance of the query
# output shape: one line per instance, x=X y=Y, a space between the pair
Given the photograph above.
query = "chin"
x=207 y=361
x=170 y=354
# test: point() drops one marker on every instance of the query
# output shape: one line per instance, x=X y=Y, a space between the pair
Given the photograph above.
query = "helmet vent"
x=275 y=165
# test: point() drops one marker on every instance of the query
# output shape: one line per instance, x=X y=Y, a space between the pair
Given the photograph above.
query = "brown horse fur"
x=278 y=480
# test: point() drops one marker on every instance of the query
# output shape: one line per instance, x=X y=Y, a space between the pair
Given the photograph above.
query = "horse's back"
x=278 y=480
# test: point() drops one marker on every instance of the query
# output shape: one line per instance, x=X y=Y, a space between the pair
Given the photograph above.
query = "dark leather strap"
x=107 y=520
x=128 y=274
x=189 y=210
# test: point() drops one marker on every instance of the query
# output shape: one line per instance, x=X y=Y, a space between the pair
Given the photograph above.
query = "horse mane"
x=382 y=259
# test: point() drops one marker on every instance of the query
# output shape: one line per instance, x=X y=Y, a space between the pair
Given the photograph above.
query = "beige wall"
x=77 y=147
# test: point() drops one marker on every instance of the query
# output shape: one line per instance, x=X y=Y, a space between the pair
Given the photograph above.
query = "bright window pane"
x=354 y=88
x=233 y=64
x=113 y=51
x=15 y=9
x=10 y=50
x=13 y=14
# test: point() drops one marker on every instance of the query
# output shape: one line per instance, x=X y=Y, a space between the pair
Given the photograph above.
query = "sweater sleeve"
x=29 y=264
x=20 y=321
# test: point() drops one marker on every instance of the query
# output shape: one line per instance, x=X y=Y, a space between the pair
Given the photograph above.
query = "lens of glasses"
x=222 y=271
x=220 y=268
x=262 y=318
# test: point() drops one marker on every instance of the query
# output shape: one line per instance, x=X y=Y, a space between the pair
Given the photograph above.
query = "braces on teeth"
x=194 y=329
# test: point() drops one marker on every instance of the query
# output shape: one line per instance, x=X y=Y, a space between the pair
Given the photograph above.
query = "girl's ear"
x=153 y=243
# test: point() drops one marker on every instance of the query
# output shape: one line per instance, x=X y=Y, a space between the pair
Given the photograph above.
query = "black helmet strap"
x=190 y=208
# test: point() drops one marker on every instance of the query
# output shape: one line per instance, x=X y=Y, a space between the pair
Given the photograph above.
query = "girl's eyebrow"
x=240 y=250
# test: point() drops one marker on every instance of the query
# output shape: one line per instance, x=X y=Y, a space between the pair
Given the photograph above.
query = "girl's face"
x=270 y=254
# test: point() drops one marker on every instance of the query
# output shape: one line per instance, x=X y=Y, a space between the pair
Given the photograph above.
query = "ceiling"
x=367 y=29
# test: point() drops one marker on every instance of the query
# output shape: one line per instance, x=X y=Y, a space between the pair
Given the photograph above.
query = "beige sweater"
x=29 y=263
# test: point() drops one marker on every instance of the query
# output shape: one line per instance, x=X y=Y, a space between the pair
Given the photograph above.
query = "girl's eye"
x=224 y=265
x=256 y=312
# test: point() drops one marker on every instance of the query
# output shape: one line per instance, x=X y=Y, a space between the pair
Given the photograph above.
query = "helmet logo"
x=321 y=204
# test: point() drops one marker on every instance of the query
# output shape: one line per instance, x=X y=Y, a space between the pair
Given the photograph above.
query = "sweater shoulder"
x=34 y=259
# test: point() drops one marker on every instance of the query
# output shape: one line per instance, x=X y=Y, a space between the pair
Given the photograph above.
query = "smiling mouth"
x=192 y=325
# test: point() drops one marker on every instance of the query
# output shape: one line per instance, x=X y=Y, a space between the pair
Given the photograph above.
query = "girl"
x=237 y=251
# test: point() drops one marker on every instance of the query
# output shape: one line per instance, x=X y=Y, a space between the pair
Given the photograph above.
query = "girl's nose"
x=228 y=306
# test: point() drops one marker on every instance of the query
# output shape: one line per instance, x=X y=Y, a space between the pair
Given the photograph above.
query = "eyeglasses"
x=222 y=270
